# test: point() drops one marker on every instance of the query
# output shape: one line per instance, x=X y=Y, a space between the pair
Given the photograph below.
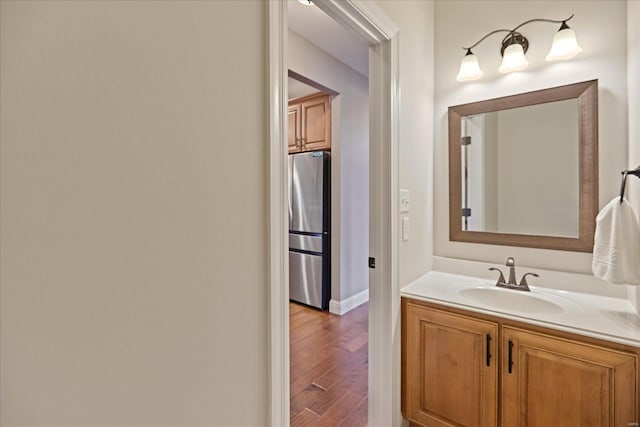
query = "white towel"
x=616 y=250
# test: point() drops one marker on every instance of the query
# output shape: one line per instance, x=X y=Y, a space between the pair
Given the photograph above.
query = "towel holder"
x=625 y=173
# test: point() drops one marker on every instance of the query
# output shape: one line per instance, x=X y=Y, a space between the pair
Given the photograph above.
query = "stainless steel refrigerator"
x=309 y=228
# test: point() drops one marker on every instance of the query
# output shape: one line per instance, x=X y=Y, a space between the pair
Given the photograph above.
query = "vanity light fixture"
x=469 y=68
x=565 y=45
x=514 y=47
x=306 y=2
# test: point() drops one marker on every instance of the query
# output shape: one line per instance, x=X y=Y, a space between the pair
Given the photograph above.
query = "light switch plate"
x=405 y=228
x=404 y=201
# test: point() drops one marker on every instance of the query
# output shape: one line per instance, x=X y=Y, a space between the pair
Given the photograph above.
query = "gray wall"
x=133 y=210
x=134 y=286
x=349 y=163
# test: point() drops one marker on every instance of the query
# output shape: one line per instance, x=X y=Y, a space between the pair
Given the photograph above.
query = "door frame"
x=371 y=24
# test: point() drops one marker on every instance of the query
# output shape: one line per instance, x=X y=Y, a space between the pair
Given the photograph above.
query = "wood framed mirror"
x=523 y=169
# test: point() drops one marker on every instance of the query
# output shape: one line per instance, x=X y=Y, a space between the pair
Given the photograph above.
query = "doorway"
x=369 y=23
x=328 y=351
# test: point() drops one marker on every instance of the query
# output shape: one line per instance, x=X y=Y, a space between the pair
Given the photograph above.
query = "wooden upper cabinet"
x=312 y=117
x=294 y=132
x=549 y=381
x=450 y=369
x=316 y=124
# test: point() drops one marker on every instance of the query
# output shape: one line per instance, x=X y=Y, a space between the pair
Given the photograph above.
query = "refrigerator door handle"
x=290 y=188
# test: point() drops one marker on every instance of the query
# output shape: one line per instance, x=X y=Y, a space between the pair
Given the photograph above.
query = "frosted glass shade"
x=513 y=59
x=564 y=46
x=306 y=2
x=469 y=68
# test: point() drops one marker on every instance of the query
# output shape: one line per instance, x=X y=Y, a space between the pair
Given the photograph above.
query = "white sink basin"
x=511 y=300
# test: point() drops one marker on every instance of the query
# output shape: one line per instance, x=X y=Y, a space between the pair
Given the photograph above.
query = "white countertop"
x=602 y=317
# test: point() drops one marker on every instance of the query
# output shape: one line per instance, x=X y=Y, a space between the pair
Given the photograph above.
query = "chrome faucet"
x=511 y=263
x=512 y=284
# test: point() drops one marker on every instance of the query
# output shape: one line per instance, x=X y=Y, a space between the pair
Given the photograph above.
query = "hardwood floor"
x=329 y=367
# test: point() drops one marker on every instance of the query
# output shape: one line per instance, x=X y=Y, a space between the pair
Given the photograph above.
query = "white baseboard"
x=341 y=307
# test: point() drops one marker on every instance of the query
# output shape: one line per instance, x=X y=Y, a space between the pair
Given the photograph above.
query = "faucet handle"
x=523 y=281
x=501 y=278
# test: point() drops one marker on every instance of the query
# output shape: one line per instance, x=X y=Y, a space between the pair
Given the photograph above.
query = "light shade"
x=565 y=45
x=306 y=2
x=469 y=68
x=513 y=59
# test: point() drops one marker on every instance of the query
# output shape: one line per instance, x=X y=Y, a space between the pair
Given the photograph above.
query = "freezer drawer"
x=305 y=243
x=305 y=279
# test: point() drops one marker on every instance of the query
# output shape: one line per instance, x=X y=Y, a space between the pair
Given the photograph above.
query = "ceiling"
x=297 y=89
x=318 y=28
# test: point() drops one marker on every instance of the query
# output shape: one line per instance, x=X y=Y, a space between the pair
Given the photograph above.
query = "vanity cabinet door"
x=548 y=381
x=450 y=373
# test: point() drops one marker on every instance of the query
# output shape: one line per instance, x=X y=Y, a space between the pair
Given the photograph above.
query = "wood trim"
x=455 y=179
x=587 y=95
x=403 y=357
x=589 y=177
x=308 y=98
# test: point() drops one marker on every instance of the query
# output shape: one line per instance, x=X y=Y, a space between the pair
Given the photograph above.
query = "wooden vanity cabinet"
x=309 y=123
x=543 y=377
x=550 y=381
x=452 y=369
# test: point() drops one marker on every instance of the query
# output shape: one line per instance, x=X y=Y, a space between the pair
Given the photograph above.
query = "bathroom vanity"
x=523 y=172
x=480 y=356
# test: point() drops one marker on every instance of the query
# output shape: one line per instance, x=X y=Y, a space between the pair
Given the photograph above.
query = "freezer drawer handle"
x=372 y=262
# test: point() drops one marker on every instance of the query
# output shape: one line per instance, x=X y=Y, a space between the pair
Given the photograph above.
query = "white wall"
x=415 y=19
x=600 y=27
x=349 y=163
x=134 y=277
x=633 y=82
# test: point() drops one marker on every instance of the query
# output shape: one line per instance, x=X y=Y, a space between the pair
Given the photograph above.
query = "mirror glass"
x=523 y=169
x=520 y=170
